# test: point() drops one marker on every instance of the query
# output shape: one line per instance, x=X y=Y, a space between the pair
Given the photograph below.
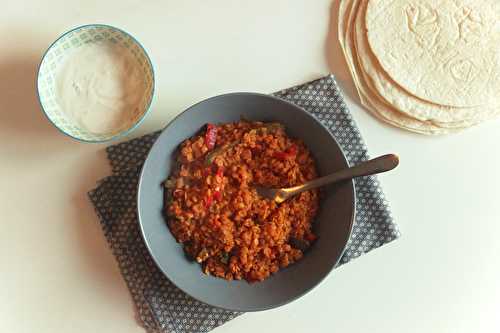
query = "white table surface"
x=56 y=271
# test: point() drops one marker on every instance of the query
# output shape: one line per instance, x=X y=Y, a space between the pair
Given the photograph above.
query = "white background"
x=56 y=271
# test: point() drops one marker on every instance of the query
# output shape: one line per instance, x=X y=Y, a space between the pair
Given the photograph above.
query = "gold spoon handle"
x=377 y=165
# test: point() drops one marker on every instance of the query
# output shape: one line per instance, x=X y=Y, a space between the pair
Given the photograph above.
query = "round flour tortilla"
x=387 y=89
x=392 y=112
x=445 y=52
x=382 y=111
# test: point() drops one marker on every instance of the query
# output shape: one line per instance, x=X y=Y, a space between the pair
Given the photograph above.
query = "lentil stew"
x=214 y=211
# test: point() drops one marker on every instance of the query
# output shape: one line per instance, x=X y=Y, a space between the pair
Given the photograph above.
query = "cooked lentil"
x=215 y=212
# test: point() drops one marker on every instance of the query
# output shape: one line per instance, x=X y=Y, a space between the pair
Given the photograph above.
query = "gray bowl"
x=333 y=223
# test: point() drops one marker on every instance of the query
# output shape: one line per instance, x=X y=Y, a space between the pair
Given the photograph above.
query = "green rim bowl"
x=333 y=223
x=56 y=55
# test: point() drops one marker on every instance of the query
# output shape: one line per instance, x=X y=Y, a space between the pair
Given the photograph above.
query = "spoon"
x=377 y=165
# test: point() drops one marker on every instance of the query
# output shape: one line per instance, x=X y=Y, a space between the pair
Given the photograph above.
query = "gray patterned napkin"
x=162 y=307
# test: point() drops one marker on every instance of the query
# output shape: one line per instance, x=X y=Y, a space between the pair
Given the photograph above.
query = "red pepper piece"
x=220 y=171
x=208 y=201
x=211 y=136
x=218 y=195
x=280 y=155
x=292 y=151
x=283 y=155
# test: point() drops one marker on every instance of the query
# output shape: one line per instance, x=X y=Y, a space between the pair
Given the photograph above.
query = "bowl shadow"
x=18 y=95
x=23 y=125
x=96 y=255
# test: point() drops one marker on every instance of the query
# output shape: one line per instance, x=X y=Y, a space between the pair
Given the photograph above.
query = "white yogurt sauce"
x=100 y=86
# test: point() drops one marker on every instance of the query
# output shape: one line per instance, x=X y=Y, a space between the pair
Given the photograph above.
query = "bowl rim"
x=119 y=134
x=155 y=259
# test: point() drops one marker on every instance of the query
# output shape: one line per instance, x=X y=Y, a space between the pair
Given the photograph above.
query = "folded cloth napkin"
x=162 y=307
